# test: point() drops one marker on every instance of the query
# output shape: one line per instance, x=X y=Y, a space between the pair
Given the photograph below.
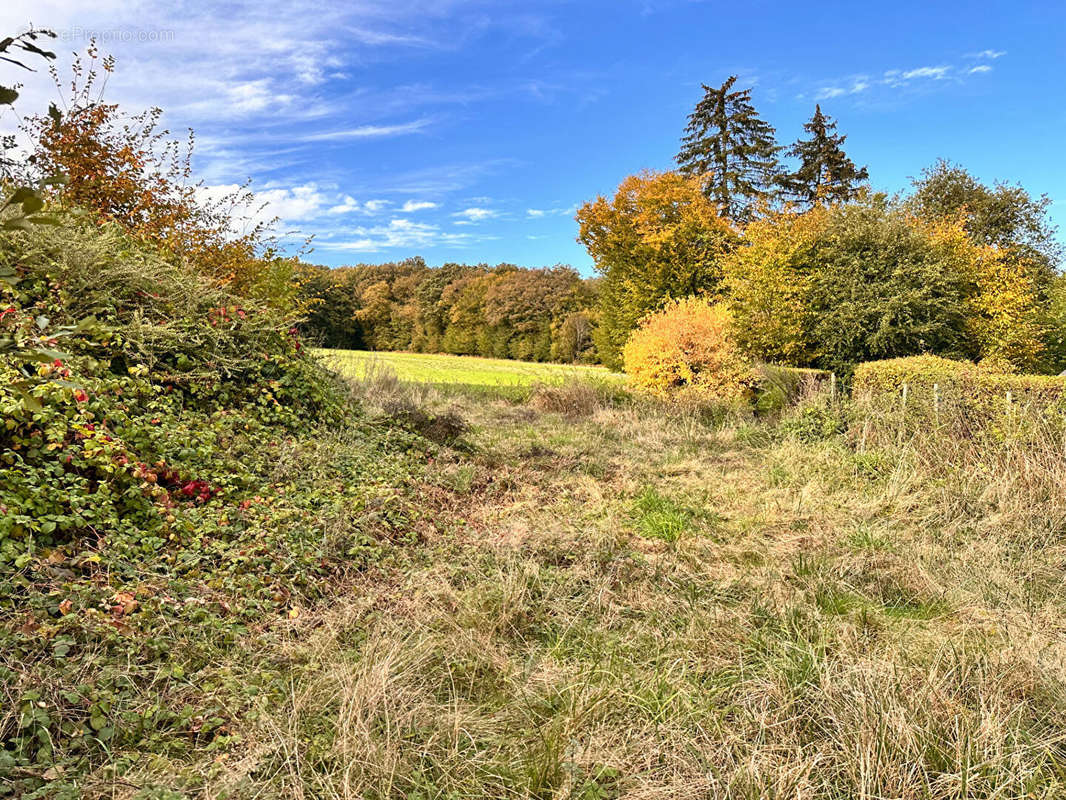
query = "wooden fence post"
x=936 y=404
x=903 y=413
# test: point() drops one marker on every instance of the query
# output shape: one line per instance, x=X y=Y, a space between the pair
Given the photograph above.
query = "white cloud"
x=289 y=205
x=352 y=206
x=476 y=214
x=417 y=205
x=399 y=233
x=857 y=84
x=903 y=79
x=829 y=92
x=900 y=78
x=368 y=132
x=254 y=96
x=295 y=204
x=936 y=73
x=538 y=213
x=349 y=206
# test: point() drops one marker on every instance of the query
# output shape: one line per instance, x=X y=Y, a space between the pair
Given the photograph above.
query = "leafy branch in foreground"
x=9 y=94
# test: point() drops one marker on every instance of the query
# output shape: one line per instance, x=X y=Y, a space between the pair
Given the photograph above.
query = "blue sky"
x=470 y=131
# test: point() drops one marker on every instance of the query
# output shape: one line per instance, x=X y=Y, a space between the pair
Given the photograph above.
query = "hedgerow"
x=903 y=395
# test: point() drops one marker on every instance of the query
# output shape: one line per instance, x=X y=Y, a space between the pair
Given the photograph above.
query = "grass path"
x=625 y=605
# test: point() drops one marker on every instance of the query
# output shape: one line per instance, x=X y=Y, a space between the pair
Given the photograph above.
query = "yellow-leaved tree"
x=768 y=282
x=838 y=285
x=658 y=238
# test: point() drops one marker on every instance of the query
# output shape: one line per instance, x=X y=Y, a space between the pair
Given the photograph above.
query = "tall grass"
x=786 y=615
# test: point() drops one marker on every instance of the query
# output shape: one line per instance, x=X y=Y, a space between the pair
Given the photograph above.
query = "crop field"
x=503 y=377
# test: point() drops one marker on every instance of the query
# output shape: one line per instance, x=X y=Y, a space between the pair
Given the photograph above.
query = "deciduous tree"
x=659 y=237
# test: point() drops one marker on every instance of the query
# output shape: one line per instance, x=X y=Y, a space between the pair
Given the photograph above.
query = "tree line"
x=501 y=311
x=816 y=268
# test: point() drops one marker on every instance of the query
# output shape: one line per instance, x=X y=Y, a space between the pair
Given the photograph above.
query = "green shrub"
x=815 y=422
x=780 y=387
x=905 y=395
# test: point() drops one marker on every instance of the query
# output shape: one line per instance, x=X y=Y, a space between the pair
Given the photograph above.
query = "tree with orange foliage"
x=658 y=238
x=126 y=169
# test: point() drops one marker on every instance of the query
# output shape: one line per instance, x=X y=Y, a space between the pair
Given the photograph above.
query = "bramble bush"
x=176 y=470
x=688 y=351
x=176 y=461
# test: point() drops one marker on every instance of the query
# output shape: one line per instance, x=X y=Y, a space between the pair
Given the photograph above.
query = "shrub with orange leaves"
x=688 y=350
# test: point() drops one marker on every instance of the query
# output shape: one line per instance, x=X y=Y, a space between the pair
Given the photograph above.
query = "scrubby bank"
x=175 y=473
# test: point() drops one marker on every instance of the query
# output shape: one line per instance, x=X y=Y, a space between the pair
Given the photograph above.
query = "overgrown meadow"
x=767 y=561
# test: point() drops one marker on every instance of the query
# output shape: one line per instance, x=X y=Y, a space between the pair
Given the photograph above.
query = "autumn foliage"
x=658 y=237
x=839 y=285
x=127 y=169
x=688 y=349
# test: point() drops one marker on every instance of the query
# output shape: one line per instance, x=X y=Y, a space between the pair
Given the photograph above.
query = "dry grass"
x=823 y=622
x=574 y=399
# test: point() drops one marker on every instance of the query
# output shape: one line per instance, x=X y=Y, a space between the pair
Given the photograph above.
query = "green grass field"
x=491 y=375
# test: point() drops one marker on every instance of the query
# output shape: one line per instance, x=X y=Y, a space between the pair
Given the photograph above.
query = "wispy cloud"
x=397 y=234
x=291 y=205
x=367 y=132
x=349 y=205
x=855 y=86
x=912 y=78
x=417 y=205
x=539 y=213
x=475 y=214
x=936 y=73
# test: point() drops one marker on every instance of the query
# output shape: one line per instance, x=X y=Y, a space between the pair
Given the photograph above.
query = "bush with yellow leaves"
x=687 y=351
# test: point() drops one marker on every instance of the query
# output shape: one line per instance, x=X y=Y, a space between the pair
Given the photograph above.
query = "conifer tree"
x=733 y=148
x=825 y=174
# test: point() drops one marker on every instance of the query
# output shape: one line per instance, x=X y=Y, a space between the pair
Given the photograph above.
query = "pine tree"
x=825 y=173
x=733 y=147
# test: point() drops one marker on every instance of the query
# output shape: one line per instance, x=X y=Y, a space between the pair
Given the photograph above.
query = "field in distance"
x=495 y=375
